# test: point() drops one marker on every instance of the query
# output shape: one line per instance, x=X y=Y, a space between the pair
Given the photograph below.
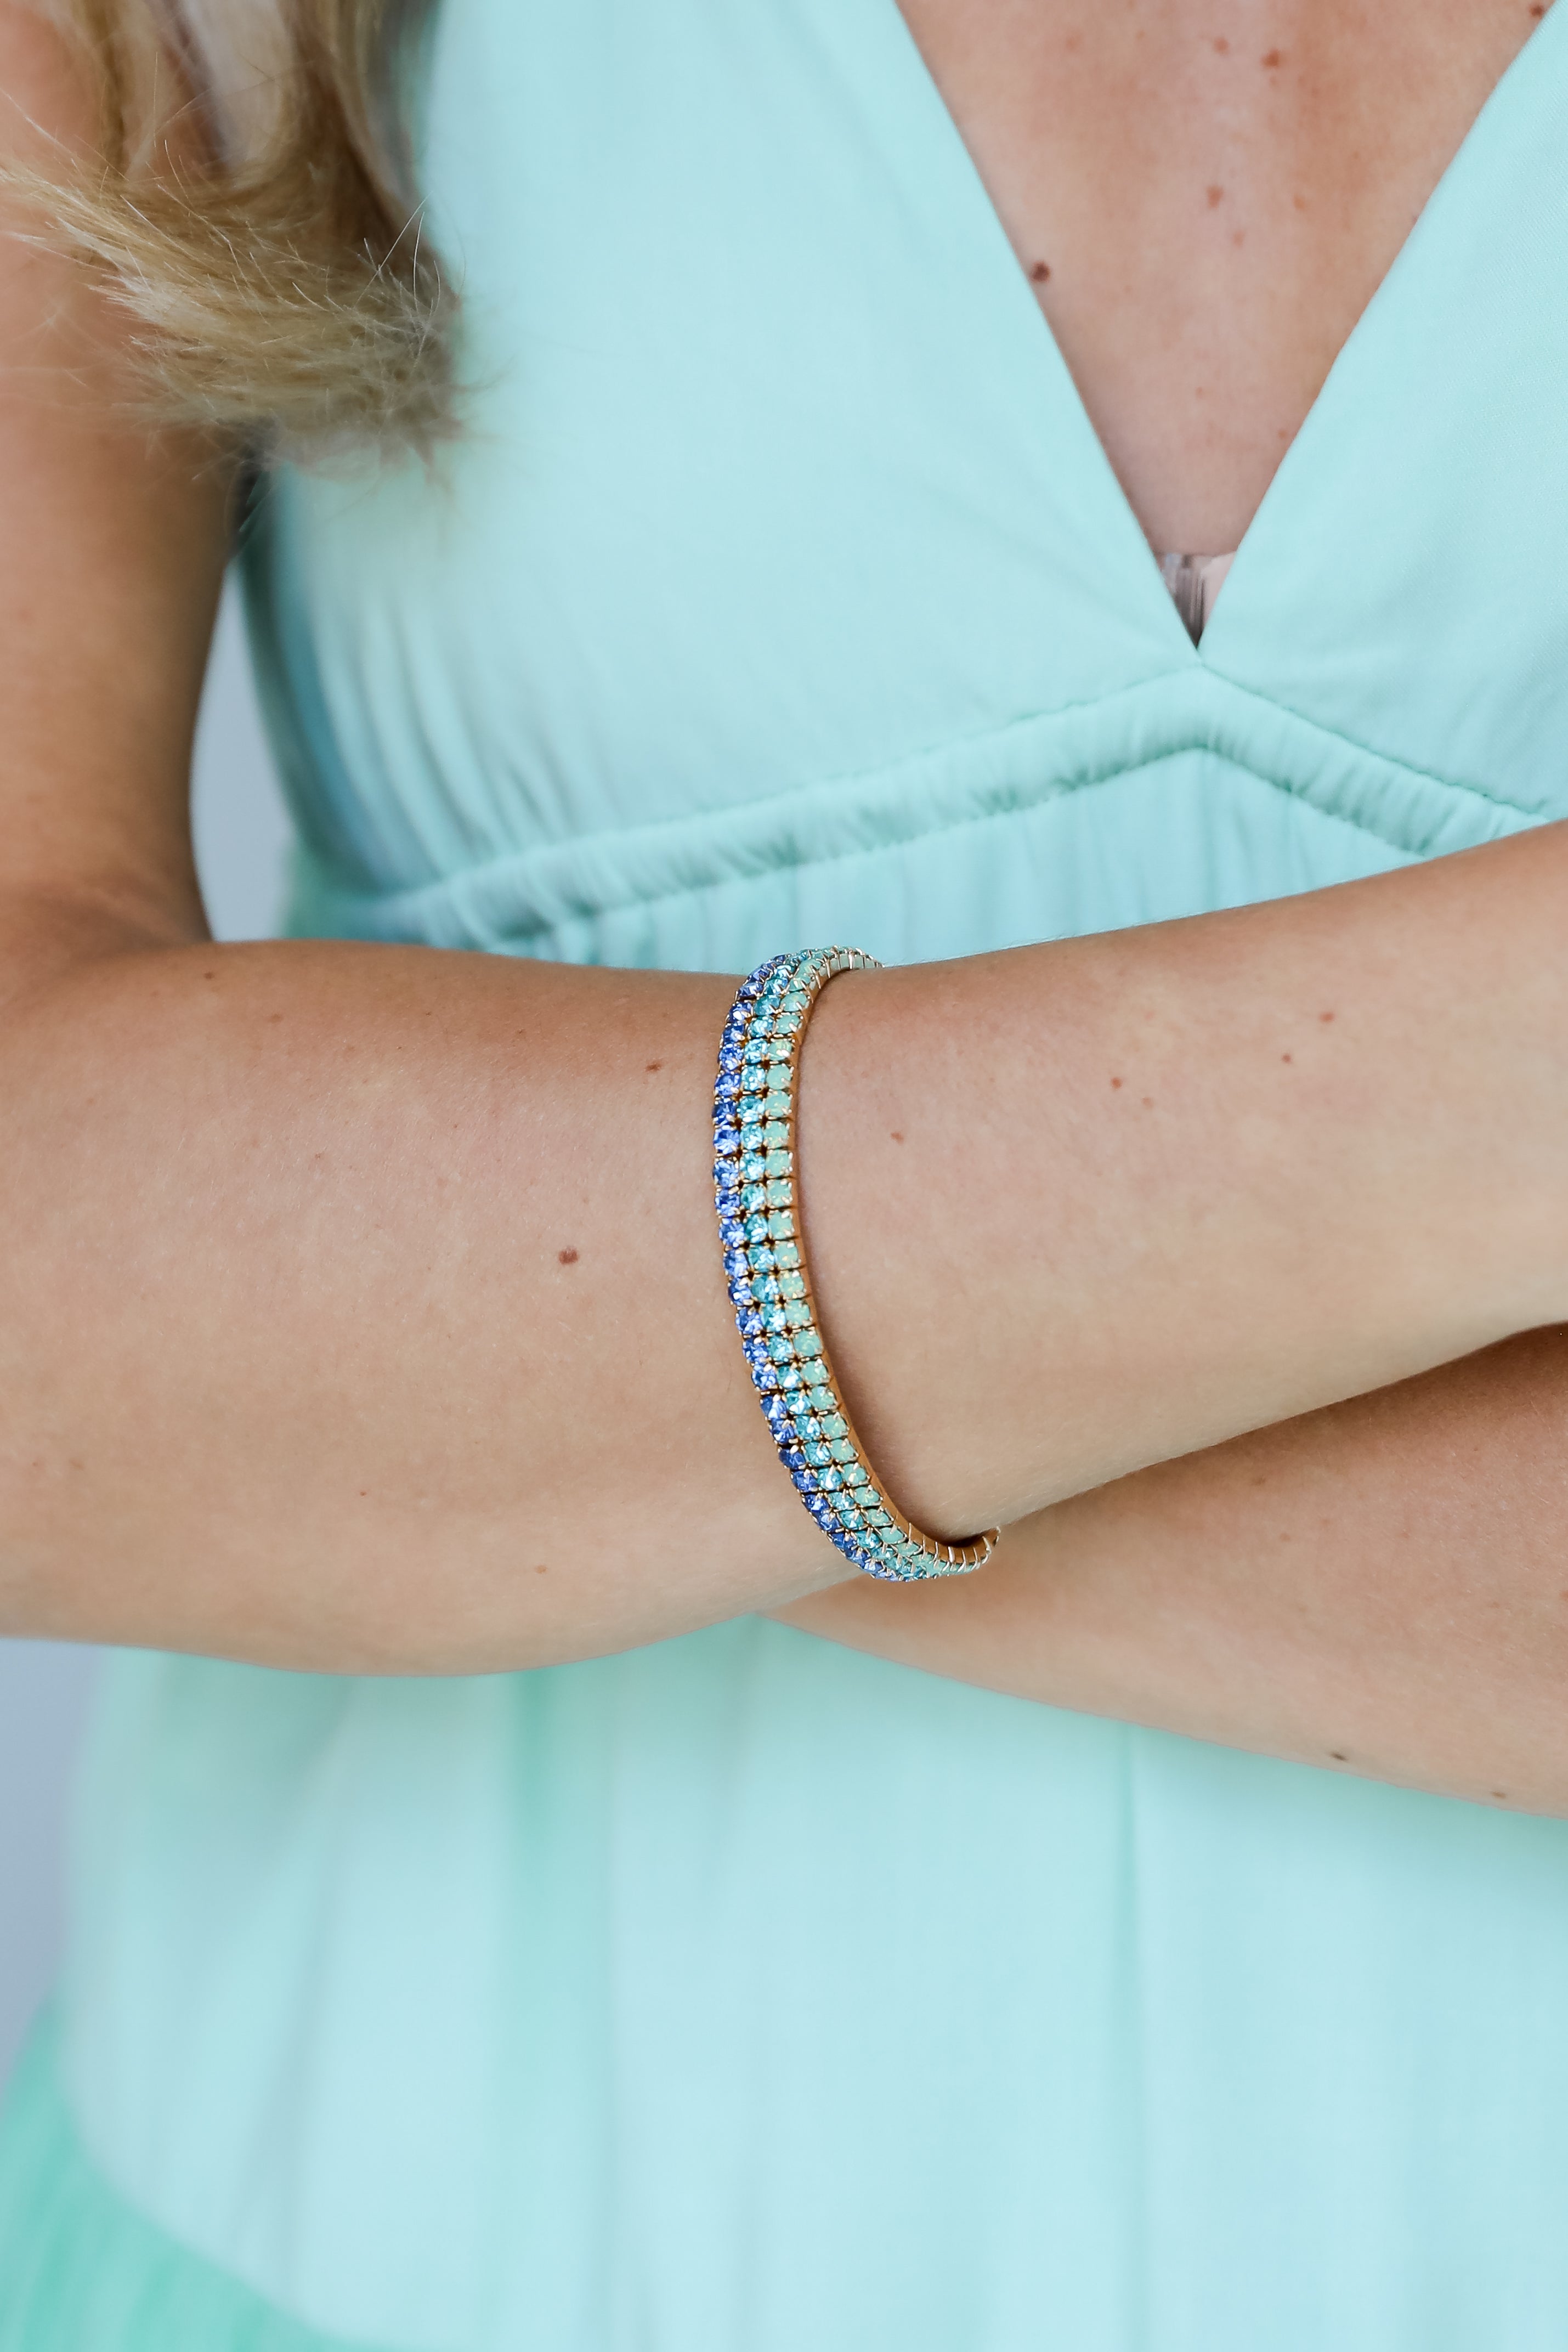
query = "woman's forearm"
x=1380 y=1588
x=363 y=1307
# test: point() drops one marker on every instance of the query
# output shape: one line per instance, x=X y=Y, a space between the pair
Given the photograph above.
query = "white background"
x=241 y=843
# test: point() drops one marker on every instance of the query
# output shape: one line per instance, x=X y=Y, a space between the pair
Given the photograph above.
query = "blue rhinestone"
x=726 y=1136
x=740 y=1296
x=735 y=1262
x=752 y=1325
x=791 y=1457
x=728 y=1058
x=778 y=1413
x=803 y=1481
x=763 y=1376
x=756 y=1351
x=731 y=1231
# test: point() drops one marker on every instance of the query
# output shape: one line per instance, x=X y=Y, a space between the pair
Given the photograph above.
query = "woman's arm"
x=361 y=1308
x=1380 y=1588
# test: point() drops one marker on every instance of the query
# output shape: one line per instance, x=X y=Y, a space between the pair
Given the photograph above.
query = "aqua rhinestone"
x=829 y=1480
x=753 y=1112
x=779 y=1075
x=779 y=1349
x=856 y=1474
x=781 y=1226
x=823 y=1399
x=769 y=1289
x=792 y=1285
x=818 y=1456
x=775 y=1136
x=780 y=1193
x=753 y=1082
x=843 y=1450
x=758 y=1229
x=753 y=1198
x=759 y=1257
x=753 y=1167
x=789 y=1253
x=809 y=1343
x=834 y=1423
x=798 y=1313
x=778 y=1163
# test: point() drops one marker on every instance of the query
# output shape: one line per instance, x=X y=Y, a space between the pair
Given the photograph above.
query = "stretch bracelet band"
x=770 y=1288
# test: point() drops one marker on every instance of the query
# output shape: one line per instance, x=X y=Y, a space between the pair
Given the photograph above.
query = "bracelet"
x=770 y=1289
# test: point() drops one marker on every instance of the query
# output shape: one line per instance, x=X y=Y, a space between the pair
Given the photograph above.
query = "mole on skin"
x=567 y=1256
x=656 y=1065
x=1040 y=272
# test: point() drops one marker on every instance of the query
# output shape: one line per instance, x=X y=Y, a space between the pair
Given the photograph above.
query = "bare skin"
x=330 y=1337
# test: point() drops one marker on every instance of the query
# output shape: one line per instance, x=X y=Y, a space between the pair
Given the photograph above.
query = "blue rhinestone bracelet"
x=769 y=1286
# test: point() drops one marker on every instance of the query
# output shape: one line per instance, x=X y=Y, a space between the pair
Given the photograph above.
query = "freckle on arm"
x=567 y=1256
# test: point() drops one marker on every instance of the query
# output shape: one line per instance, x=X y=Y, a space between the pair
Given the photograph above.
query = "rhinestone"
x=781 y=1226
x=740 y=1292
x=754 y=1166
x=755 y=1049
x=727 y=1089
x=764 y=1376
x=790 y=1379
x=829 y=1480
x=777 y=1163
x=823 y=1399
x=737 y=1263
x=791 y=1457
x=752 y=1111
x=756 y=1352
x=776 y=1135
x=778 y=1348
x=756 y=1229
x=856 y=1475
x=759 y=1257
x=779 y=1077
x=753 y=1325
x=728 y=1058
x=790 y=1254
x=726 y=1138
x=753 y=1081
x=753 y=1198
x=780 y=1193
x=731 y=1231
x=809 y=1343
x=797 y=1314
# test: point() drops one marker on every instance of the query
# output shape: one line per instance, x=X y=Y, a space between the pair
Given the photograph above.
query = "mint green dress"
x=741 y=1994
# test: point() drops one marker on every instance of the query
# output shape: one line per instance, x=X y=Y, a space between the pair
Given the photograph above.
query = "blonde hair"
x=252 y=205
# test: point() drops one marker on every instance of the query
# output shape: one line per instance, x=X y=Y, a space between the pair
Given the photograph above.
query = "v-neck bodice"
x=742 y=1992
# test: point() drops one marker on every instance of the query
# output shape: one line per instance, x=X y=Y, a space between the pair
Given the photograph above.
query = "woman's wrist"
x=1076 y=1209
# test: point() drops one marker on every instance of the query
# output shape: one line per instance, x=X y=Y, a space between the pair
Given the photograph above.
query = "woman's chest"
x=778 y=500
x=1205 y=198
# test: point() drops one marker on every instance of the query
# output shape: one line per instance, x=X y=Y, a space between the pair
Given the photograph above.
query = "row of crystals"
x=767 y=1280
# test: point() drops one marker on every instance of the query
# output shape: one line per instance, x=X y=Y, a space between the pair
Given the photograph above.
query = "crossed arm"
x=360 y=1310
